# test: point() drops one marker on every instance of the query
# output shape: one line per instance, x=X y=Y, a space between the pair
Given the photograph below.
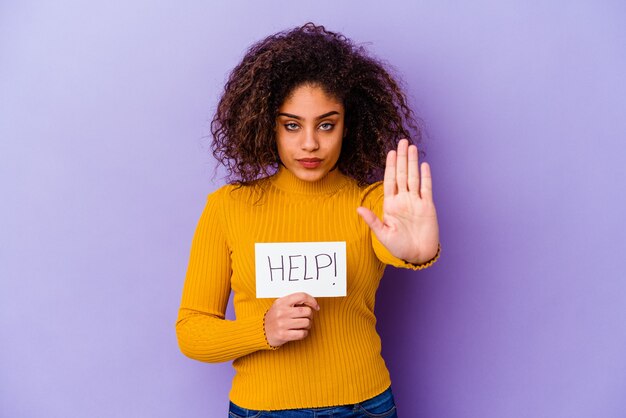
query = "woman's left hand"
x=409 y=228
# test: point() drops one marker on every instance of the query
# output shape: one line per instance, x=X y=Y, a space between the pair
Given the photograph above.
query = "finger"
x=401 y=165
x=414 y=178
x=389 y=183
x=301 y=298
x=426 y=189
x=371 y=219
x=296 y=334
x=302 y=312
x=300 y=323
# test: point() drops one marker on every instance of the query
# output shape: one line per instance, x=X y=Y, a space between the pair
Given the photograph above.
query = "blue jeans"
x=380 y=406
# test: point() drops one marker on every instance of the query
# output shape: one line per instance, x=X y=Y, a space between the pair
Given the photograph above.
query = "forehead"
x=310 y=99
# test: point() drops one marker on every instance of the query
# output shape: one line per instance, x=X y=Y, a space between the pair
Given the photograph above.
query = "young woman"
x=306 y=125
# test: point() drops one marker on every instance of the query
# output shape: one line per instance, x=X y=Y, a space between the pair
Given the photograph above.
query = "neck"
x=287 y=181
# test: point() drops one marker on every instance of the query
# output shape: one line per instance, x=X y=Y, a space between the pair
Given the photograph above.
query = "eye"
x=327 y=126
x=291 y=126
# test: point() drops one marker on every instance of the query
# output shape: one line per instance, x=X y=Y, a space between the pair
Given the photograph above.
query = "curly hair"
x=377 y=115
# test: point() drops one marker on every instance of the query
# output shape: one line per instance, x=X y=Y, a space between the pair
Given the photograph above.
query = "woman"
x=306 y=124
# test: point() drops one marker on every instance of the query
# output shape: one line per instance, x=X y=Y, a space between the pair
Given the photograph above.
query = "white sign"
x=317 y=268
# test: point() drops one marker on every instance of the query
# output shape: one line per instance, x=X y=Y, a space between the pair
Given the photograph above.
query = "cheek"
x=337 y=148
x=285 y=150
x=280 y=145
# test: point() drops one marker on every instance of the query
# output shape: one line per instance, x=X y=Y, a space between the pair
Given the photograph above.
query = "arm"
x=402 y=215
x=203 y=333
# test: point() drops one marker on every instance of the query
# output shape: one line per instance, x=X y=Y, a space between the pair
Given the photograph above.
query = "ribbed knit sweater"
x=340 y=361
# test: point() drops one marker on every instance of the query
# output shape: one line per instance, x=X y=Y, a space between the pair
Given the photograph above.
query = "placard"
x=317 y=268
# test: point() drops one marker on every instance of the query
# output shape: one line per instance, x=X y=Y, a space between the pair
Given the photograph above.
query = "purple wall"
x=104 y=110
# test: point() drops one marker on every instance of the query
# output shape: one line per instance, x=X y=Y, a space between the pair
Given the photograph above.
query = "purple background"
x=104 y=112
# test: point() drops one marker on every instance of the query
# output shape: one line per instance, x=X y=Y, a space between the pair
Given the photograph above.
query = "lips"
x=309 y=162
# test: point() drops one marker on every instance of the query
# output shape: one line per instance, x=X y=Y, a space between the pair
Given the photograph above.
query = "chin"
x=309 y=175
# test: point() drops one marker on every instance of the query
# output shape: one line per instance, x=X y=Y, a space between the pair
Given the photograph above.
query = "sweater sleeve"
x=372 y=198
x=201 y=328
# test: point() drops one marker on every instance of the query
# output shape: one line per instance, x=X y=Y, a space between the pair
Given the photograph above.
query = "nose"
x=310 y=141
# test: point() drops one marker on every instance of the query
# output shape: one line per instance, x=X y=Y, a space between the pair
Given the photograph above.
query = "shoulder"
x=233 y=193
x=223 y=203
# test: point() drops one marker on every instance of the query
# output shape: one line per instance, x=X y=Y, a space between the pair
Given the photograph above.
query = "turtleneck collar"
x=285 y=180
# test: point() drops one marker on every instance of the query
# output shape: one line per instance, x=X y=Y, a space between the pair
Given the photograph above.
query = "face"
x=309 y=132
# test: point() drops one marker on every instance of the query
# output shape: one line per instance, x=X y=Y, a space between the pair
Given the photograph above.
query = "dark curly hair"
x=377 y=115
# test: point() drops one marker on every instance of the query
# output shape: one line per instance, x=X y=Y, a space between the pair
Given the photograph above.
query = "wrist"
x=426 y=257
x=271 y=344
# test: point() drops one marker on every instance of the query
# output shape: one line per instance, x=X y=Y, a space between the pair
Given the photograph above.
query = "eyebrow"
x=325 y=115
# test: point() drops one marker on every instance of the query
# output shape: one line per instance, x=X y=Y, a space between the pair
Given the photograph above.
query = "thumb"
x=301 y=298
x=370 y=219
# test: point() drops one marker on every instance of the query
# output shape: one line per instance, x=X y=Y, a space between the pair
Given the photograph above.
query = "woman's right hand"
x=289 y=318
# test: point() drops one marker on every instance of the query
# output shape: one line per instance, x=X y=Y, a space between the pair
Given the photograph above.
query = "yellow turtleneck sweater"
x=340 y=361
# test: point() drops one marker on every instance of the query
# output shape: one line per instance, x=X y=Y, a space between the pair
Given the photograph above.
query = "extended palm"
x=409 y=228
